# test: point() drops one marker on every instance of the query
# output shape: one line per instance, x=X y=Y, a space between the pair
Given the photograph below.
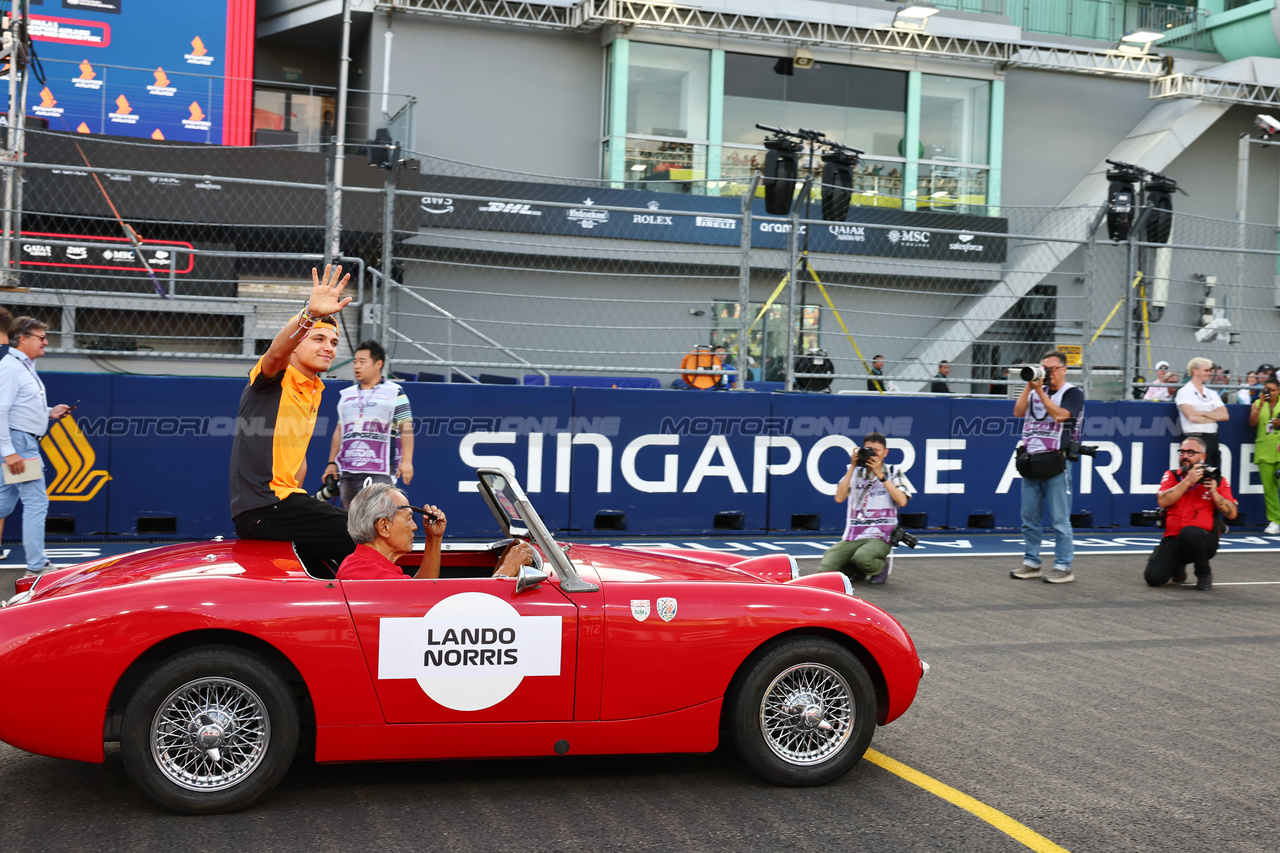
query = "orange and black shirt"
x=273 y=428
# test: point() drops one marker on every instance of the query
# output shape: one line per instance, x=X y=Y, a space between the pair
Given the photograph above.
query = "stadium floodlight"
x=913 y=16
x=1139 y=41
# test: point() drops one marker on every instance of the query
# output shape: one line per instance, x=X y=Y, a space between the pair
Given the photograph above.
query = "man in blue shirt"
x=24 y=417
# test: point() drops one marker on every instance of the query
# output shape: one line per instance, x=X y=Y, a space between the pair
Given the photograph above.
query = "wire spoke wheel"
x=209 y=734
x=807 y=714
x=802 y=711
x=209 y=731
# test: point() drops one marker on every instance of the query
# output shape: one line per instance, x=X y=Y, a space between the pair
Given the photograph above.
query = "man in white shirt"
x=1200 y=409
x=24 y=418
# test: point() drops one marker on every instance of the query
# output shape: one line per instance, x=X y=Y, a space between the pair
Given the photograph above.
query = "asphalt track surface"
x=1098 y=716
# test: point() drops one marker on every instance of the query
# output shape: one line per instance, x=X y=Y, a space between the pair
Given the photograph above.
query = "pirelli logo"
x=72 y=458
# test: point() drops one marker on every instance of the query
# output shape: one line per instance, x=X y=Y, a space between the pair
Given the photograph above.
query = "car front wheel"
x=210 y=730
x=803 y=713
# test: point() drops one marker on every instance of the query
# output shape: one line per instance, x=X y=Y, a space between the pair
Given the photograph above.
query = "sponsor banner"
x=700 y=219
x=183 y=47
x=677 y=462
x=103 y=253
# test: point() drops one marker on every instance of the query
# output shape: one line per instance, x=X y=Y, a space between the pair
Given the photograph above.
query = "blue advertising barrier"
x=143 y=450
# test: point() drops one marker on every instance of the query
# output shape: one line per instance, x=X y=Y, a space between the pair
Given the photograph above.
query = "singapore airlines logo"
x=48 y=106
x=198 y=120
x=162 y=85
x=124 y=113
x=199 y=54
x=73 y=458
x=88 y=78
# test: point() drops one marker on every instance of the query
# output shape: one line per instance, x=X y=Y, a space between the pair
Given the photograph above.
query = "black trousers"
x=317 y=527
x=1212 y=455
x=1191 y=545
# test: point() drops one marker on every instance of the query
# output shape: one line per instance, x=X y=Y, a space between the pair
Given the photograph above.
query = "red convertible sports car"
x=209 y=663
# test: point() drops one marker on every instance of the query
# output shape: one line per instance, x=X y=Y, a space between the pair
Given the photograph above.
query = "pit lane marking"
x=1001 y=821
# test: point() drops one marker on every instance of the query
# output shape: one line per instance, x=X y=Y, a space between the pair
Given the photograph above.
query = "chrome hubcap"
x=807 y=714
x=210 y=734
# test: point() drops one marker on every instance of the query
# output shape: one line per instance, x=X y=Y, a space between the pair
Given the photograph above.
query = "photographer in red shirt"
x=1192 y=497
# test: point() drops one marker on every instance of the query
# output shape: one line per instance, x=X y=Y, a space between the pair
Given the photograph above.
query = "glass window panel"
x=956 y=189
x=667 y=90
x=678 y=167
x=863 y=107
x=954 y=118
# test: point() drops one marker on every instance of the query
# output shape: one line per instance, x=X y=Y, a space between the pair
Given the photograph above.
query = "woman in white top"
x=1200 y=409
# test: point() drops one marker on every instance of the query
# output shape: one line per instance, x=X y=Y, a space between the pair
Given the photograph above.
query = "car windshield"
x=510 y=506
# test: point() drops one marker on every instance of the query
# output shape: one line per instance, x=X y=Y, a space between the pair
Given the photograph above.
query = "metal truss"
x=1220 y=91
x=659 y=15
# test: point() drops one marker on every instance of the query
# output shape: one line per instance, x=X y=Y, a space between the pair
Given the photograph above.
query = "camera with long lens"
x=1074 y=450
x=864 y=454
x=1032 y=373
x=899 y=536
x=328 y=489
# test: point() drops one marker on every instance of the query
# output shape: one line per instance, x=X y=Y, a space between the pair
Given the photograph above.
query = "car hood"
x=200 y=559
x=635 y=565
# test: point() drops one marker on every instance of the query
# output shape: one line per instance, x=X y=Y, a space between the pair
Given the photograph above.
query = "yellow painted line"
x=998 y=819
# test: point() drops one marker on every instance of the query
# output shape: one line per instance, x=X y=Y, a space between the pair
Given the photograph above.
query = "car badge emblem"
x=667 y=609
x=640 y=609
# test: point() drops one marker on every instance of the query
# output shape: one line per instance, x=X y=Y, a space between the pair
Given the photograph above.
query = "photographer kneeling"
x=878 y=490
x=1192 y=497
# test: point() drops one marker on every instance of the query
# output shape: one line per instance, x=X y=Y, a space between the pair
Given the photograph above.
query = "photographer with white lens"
x=1193 y=497
x=1053 y=409
x=875 y=492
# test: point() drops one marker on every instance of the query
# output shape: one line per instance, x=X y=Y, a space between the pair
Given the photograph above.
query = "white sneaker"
x=1272 y=529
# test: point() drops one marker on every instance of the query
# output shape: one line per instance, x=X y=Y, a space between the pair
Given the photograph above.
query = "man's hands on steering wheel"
x=518 y=553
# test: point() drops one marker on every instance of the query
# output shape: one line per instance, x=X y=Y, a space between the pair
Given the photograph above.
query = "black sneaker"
x=1204 y=583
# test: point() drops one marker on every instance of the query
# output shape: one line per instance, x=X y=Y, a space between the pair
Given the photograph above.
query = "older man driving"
x=380 y=522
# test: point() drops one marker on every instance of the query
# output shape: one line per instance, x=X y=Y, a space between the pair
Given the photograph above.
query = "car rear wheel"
x=803 y=712
x=210 y=730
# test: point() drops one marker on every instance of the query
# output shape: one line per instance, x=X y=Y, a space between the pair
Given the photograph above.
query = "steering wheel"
x=501 y=546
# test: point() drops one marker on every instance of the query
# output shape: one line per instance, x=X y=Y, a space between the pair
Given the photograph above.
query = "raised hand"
x=326 y=292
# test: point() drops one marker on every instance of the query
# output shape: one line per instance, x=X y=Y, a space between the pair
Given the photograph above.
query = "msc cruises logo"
x=73 y=458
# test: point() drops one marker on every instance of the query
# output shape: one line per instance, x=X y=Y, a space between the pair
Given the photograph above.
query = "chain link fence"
x=153 y=249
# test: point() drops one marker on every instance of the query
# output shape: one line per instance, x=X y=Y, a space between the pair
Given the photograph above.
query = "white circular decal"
x=470 y=651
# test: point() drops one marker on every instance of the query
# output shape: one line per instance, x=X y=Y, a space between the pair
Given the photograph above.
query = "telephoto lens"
x=1031 y=373
x=864 y=453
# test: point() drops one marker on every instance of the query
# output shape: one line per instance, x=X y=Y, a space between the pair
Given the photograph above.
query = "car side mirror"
x=529 y=577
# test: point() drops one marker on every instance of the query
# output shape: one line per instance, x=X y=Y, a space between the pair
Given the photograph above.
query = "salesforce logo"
x=965 y=244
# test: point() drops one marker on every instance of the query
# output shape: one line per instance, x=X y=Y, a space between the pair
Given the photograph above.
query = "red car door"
x=467 y=649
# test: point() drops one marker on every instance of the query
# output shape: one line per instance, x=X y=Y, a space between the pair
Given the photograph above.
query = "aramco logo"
x=73 y=458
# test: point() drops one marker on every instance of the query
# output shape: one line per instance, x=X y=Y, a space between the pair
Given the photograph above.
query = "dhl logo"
x=86 y=70
x=197 y=47
x=122 y=106
x=75 y=478
x=196 y=113
x=46 y=99
x=162 y=79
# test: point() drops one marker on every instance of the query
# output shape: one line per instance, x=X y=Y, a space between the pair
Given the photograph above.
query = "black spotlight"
x=1160 y=190
x=814 y=361
x=837 y=185
x=781 y=166
x=1121 y=200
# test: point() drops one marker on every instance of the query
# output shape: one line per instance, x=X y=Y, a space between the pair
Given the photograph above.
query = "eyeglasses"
x=41 y=337
x=1189 y=452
